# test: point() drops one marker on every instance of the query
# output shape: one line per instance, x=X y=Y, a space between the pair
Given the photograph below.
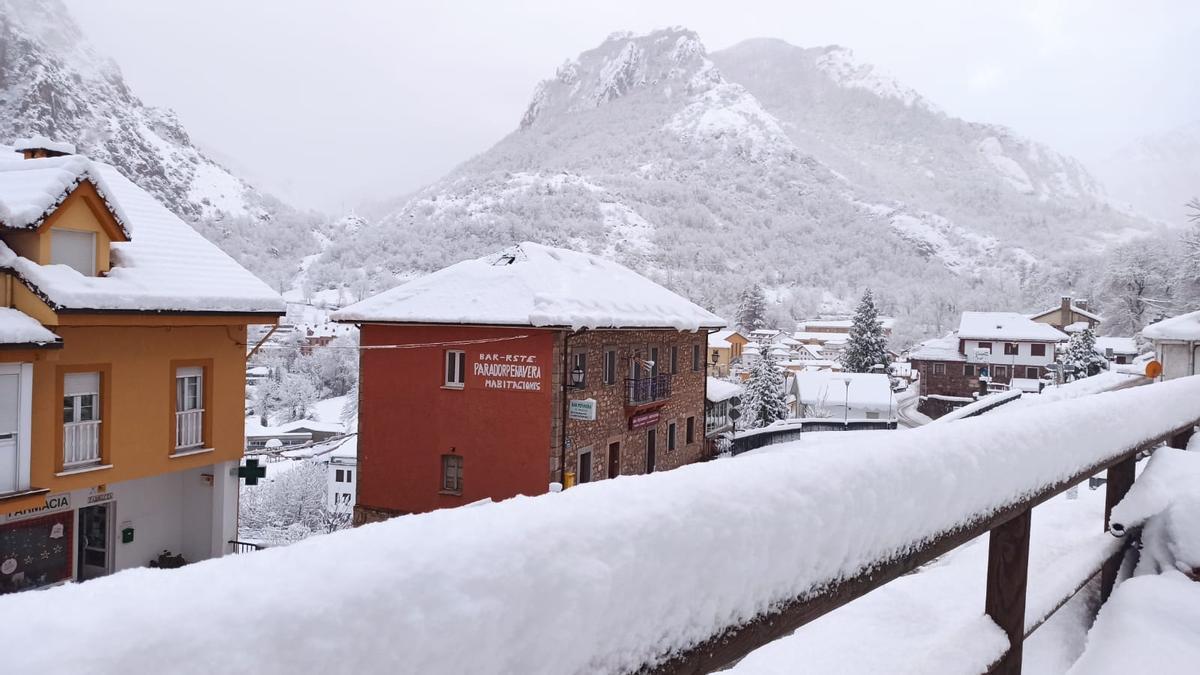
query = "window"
x=342 y=497
x=189 y=408
x=614 y=459
x=671 y=436
x=349 y=476
x=579 y=364
x=452 y=473
x=968 y=370
x=584 y=475
x=610 y=365
x=939 y=369
x=674 y=360
x=654 y=360
x=81 y=420
x=15 y=418
x=456 y=369
x=985 y=345
x=1038 y=349
x=74 y=249
x=1033 y=372
x=1011 y=349
x=690 y=430
x=1002 y=372
x=697 y=364
x=339 y=476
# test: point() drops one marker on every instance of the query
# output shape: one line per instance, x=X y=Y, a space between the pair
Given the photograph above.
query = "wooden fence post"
x=1120 y=479
x=1180 y=440
x=1007 y=577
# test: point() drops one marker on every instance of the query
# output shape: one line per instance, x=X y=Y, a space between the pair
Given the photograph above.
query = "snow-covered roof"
x=18 y=328
x=312 y=425
x=1006 y=326
x=1120 y=345
x=43 y=143
x=823 y=338
x=721 y=390
x=937 y=349
x=30 y=190
x=166 y=266
x=1074 y=308
x=534 y=285
x=868 y=391
x=1077 y=327
x=720 y=339
x=1182 y=327
x=886 y=322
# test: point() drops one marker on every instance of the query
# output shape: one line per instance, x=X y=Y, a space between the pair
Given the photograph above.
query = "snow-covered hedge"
x=599 y=578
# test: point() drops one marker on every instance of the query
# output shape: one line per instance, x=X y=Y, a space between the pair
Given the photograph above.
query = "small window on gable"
x=75 y=249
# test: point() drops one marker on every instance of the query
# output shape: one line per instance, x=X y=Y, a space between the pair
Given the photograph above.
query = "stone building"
x=502 y=375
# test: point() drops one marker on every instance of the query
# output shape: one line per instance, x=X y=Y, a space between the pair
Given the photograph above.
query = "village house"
x=121 y=377
x=501 y=375
x=1117 y=350
x=1069 y=316
x=1176 y=344
x=721 y=397
x=843 y=397
x=724 y=349
x=1000 y=349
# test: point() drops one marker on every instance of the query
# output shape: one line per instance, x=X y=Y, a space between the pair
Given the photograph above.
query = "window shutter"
x=75 y=384
x=74 y=249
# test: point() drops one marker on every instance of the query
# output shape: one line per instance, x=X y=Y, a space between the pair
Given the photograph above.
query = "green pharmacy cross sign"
x=251 y=471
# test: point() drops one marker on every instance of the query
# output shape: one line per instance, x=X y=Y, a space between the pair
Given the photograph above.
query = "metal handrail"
x=639 y=390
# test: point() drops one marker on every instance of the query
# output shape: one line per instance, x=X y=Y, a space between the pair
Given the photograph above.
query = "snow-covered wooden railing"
x=678 y=571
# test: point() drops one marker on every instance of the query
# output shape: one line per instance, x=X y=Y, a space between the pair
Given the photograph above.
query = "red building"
x=498 y=376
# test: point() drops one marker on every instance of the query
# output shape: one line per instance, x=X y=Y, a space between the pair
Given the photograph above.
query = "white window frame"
x=24 y=373
x=454 y=369
x=189 y=412
x=76 y=398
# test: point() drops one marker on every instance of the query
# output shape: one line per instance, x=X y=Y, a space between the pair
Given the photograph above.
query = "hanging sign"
x=644 y=420
x=584 y=410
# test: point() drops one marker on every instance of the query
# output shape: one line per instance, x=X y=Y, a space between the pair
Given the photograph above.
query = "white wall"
x=1179 y=359
x=1023 y=357
x=334 y=487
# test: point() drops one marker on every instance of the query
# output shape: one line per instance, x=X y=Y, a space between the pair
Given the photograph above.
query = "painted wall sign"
x=99 y=496
x=54 y=503
x=644 y=420
x=584 y=410
x=511 y=372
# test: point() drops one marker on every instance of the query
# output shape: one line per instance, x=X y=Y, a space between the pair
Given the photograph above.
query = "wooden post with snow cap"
x=1120 y=479
x=1007 y=578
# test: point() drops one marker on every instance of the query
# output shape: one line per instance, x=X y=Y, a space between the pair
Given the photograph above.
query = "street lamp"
x=846 y=407
x=577 y=377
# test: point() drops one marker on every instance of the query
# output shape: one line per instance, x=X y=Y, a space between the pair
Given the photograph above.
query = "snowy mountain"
x=54 y=84
x=1157 y=174
x=799 y=168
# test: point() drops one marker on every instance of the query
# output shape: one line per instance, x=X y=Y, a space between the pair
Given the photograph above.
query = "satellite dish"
x=735 y=401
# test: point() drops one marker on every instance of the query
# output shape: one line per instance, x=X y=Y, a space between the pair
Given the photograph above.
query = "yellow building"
x=724 y=349
x=122 y=363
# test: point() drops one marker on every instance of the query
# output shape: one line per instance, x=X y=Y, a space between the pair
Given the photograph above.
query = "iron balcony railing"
x=189 y=429
x=643 y=390
x=81 y=444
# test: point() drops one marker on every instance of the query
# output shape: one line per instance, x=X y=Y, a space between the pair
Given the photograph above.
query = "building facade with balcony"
x=499 y=376
x=121 y=375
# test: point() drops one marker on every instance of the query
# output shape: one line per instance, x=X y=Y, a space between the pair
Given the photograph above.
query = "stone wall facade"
x=610 y=433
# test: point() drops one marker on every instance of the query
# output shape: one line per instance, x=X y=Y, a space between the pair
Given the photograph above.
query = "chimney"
x=40 y=147
x=1066 y=310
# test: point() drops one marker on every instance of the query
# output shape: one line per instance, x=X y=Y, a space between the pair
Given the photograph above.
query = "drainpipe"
x=562 y=441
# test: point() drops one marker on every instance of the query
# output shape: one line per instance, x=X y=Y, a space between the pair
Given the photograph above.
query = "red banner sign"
x=644 y=420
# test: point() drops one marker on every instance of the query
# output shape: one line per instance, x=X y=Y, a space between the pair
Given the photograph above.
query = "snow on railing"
x=605 y=577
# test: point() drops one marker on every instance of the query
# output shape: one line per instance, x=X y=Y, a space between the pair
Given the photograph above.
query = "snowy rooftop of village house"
x=1182 y=327
x=166 y=266
x=41 y=142
x=1074 y=308
x=938 y=349
x=534 y=285
x=1005 y=326
x=886 y=322
x=720 y=339
x=835 y=338
x=868 y=391
x=18 y=328
x=721 y=390
x=1120 y=345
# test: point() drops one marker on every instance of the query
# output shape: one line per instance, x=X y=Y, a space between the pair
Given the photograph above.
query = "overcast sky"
x=333 y=103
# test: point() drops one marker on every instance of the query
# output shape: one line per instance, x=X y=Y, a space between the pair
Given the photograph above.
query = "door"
x=651 y=438
x=94 y=541
x=614 y=460
x=10 y=456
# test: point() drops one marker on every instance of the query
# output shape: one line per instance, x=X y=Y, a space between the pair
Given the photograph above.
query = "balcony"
x=189 y=429
x=644 y=390
x=81 y=444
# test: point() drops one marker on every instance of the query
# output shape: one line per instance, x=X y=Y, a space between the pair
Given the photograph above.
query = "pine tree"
x=867 y=346
x=1081 y=353
x=752 y=309
x=763 y=401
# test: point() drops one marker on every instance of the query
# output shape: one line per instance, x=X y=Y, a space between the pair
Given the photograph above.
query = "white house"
x=1177 y=344
x=844 y=396
x=1124 y=349
x=1008 y=347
